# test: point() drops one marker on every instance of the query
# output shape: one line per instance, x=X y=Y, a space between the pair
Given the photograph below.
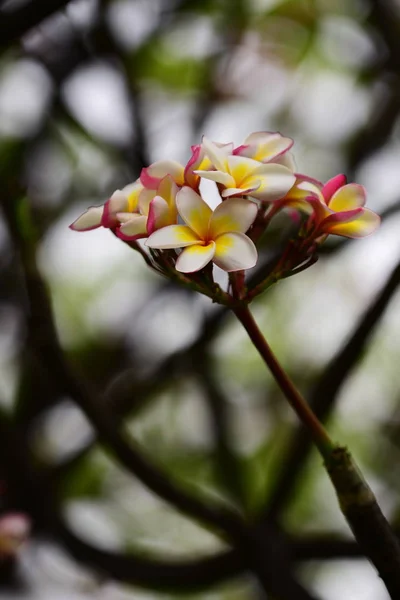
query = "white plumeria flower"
x=217 y=236
x=245 y=176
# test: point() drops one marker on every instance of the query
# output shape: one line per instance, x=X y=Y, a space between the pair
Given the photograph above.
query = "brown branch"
x=325 y=393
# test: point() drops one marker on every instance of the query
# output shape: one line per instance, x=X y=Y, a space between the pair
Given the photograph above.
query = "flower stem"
x=356 y=500
x=298 y=403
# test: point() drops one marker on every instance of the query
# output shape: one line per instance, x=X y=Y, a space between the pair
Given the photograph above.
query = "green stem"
x=298 y=403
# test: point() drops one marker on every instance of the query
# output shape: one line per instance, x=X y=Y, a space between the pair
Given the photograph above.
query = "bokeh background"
x=92 y=91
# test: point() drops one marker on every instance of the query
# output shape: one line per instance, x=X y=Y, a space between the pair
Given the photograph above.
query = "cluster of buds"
x=183 y=236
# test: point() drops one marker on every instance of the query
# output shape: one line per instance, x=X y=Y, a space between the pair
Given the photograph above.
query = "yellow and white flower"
x=217 y=236
x=338 y=208
x=240 y=175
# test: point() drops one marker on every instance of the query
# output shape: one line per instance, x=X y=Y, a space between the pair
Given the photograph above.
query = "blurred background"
x=92 y=91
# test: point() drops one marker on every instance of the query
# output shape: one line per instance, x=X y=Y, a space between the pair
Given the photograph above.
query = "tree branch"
x=14 y=24
x=324 y=395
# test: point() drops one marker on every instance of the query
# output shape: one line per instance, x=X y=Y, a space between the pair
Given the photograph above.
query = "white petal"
x=234 y=252
x=275 y=182
x=216 y=155
x=241 y=191
x=218 y=177
x=287 y=160
x=265 y=146
x=258 y=137
x=234 y=214
x=194 y=211
x=90 y=219
x=195 y=258
x=172 y=236
x=133 y=228
x=118 y=202
x=242 y=167
x=145 y=197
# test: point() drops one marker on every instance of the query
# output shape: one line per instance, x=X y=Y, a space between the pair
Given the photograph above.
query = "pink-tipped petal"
x=264 y=146
x=117 y=203
x=191 y=178
x=194 y=211
x=310 y=187
x=319 y=208
x=332 y=186
x=195 y=258
x=348 y=197
x=133 y=228
x=232 y=215
x=172 y=236
x=159 y=215
x=297 y=197
x=234 y=252
x=152 y=175
x=90 y=219
x=365 y=224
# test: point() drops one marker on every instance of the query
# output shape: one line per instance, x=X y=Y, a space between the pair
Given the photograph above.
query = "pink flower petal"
x=235 y=214
x=90 y=219
x=340 y=217
x=348 y=197
x=234 y=252
x=159 y=215
x=191 y=178
x=365 y=224
x=320 y=210
x=194 y=211
x=172 y=236
x=332 y=186
x=152 y=175
x=195 y=258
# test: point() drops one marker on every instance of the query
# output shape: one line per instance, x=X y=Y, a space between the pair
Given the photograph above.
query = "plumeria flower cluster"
x=183 y=236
